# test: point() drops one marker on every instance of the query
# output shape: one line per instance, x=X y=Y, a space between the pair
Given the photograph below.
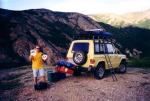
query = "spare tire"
x=80 y=57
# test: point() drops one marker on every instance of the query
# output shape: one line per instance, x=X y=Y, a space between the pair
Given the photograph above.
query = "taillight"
x=92 y=61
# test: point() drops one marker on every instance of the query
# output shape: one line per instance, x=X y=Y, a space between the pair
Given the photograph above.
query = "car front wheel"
x=122 y=68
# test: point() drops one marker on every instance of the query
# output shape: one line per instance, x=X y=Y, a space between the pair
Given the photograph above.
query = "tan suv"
x=92 y=50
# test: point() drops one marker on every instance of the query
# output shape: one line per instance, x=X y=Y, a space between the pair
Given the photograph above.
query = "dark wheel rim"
x=122 y=68
x=100 y=72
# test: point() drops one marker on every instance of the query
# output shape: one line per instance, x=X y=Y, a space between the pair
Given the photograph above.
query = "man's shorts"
x=38 y=72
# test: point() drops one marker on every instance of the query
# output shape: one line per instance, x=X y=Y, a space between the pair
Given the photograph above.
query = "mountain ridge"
x=20 y=31
x=124 y=19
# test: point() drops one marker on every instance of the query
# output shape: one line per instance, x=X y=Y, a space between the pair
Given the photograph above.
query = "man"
x=37 y=64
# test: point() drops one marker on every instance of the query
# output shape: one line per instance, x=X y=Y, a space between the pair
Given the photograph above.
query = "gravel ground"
x=17 y=85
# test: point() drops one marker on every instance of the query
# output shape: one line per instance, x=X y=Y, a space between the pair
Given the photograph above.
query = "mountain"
x=136 y=18
x=131 y=37
x=131 y=30
x=20 y=31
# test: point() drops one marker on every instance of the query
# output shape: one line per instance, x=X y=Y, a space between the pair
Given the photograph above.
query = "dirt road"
x=16 y=84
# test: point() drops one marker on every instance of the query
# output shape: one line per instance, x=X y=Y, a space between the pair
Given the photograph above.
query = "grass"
x=143 y=62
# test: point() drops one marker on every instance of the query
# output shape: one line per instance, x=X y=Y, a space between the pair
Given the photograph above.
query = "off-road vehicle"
x=93 y=50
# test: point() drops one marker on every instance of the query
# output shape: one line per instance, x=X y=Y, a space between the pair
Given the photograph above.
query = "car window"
x=98 y=48
x=81 y=47
x=110 y=49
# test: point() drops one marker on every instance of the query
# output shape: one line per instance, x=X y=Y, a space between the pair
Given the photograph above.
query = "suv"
x=93 y=50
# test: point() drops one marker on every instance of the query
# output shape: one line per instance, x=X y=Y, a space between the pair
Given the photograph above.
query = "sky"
x=81 y=6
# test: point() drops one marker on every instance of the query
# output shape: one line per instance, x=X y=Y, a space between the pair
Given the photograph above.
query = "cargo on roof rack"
x=93 y=34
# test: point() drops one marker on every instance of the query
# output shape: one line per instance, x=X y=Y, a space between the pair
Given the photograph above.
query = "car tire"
x=79 y=57
x=122 y=67
x=99 y=71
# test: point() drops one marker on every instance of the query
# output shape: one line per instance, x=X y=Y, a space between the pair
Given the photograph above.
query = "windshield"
x=81 y=47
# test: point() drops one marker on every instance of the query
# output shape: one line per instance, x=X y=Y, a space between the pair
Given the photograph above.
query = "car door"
x=98 y=52
x=111 y=55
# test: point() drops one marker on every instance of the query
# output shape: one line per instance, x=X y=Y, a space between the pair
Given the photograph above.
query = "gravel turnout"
x=16 y=85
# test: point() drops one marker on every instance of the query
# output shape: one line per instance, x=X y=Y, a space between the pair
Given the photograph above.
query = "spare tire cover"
x=80 y=57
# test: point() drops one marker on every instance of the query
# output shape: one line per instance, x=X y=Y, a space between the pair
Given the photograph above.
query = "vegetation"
x=144 y=24
x=139 y=19
x=132 y=37
x=143 y=62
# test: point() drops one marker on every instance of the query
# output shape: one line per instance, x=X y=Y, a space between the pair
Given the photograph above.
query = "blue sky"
x=81 y=6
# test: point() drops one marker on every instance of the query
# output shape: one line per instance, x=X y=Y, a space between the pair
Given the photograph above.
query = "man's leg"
x=42 y=75
x=35 y=74
x=35 y=80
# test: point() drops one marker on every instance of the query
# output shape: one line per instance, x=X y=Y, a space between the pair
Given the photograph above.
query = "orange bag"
x=63 y=69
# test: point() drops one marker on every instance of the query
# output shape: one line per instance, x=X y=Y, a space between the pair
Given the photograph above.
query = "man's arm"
x=30 y=57
x=32 y=54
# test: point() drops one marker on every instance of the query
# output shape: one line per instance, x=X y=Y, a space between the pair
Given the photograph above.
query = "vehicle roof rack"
x=93 y=34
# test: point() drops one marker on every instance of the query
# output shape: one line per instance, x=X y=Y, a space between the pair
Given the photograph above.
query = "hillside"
x=131 y=30
x=53 y=31
x=21 y=30
x=135 y=18
x=131 y=37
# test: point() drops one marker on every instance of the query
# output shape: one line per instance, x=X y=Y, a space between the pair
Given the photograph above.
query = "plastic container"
x=49 y=75
x=55 y=76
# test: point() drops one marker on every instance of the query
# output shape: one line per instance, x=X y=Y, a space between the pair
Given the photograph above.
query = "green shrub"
x=143 y=62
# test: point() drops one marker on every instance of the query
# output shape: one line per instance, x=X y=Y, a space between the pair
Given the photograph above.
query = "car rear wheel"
x=99 y=72
x=80 y=57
